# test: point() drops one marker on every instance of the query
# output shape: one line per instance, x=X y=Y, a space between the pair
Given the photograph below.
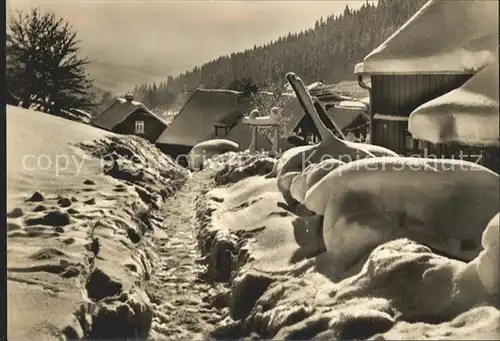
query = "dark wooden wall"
x=177 y=152
x=152 y=127
x=308 y=126
x=358 y=127
x=399 y=95
x=390 y=134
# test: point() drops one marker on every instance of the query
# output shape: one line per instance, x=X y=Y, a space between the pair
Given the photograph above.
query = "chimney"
x=129 y=97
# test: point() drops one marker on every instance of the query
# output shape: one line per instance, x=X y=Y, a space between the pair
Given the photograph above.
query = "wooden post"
x=256 y=122
x=276 y=138
x=253 y=143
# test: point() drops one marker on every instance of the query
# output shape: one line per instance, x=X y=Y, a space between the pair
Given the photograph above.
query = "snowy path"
x=176 y=288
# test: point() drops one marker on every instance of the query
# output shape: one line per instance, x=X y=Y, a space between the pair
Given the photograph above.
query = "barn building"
x=347 y=115
x=129 y=117
x=440 y=49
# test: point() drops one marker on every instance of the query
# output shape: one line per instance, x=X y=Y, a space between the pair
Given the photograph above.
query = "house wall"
x=399 y=95
x=391 y=134
x=358 y=127
x=307 y=126
x=152 y=127
x=177 y=152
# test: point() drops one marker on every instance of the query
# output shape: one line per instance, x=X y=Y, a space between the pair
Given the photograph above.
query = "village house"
x=129 y=117
x=341 y=114
x=427 y=58
x=209 y=114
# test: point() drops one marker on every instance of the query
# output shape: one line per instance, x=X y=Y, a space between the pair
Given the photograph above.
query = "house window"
x=139 y=127
x=220 y=131
x=312 y=138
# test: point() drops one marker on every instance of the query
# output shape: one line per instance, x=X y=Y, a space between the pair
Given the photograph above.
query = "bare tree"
x=43 y=67
x=274 y=97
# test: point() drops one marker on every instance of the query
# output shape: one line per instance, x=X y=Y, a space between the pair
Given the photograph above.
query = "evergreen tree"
x=43 y=66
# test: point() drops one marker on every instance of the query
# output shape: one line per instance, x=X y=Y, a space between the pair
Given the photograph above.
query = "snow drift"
x=467 y=115
x=277 y=289
x=231 y=167
x=443 y=36
x=205 y=150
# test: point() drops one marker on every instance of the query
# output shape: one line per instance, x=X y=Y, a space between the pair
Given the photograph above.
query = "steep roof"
x=206 y=108
x=343 y=113
x=467 y=115
x=442 y=37
x=345 y=116
x=119 y=111
x=293 y=114
x=326 y=94
x=195 y=121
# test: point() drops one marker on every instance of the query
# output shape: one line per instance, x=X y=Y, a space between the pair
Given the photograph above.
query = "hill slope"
x=328 y=51
x=118 y=79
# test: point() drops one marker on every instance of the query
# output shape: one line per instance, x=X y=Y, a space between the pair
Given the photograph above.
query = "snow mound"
x=78 y=247
x=467 y=115
x=134 y=160
x=442 y=203
x=310 y=176
x=278 y=289
x=443 y=36
x=487 y=261
x=235 y=166
x=206 y=150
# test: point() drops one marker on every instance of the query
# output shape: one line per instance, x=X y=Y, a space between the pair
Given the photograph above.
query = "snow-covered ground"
x=107 y=238
x=82 y=207
x=278 y=290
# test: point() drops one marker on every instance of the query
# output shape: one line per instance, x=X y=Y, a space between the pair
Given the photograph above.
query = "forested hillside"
x=327 y=52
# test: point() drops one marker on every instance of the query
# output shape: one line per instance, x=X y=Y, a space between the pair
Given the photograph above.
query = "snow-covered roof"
x=206 y=107
x=365 y=100
x=352 y=105
x=314 y=85
x=119 y=111
x=467 y=115
x=442 y=37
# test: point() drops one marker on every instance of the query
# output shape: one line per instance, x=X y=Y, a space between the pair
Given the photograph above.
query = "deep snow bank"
x=77 y=238
x=136 y=162
x=231 y=167
x=276 y=290
x=117 y=273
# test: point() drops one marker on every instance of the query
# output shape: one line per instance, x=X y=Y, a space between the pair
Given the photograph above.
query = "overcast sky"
x=180 y=34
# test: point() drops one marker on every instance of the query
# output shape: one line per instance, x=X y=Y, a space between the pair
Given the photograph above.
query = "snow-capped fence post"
x=253 y=142
x=255 y=121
